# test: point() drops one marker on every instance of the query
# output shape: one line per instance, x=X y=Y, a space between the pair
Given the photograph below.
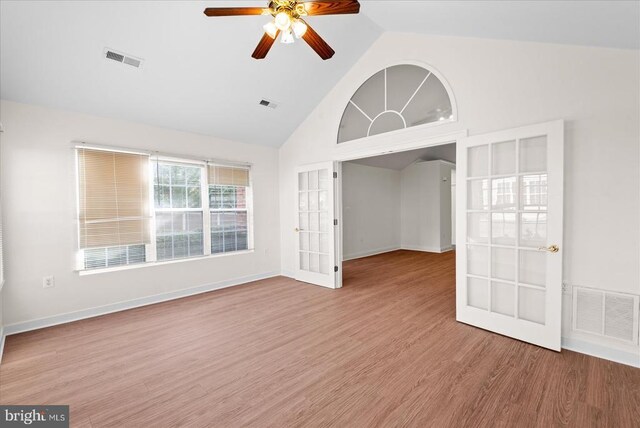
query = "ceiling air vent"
x=123 y=58
x=268 y=103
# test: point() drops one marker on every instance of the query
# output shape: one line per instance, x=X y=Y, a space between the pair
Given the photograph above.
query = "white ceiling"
x=198 y=75
x=401 y=160
x=611 y=23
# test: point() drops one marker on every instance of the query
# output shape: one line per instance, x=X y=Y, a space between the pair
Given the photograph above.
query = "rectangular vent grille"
x=603 y=313
x=268 y=103
x=122 y=58
x=115 y=56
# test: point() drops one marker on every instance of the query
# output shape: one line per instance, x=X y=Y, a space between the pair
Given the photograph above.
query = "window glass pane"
x=136 y=254
x=162 y=174
x=96 y=258
x=193 y=197
x=503 y=193
x=228 y=197
x=180 y=246
x=164 y=247
x=242 y=241
x=196 y=247
x=229 y=241
x=241 y=197
x=179 y=222
x=193 y=176
x=162 y=197
x=116 y=256
x=178 y=197
x=217 y=242
x=178 y=175
x=215 y=197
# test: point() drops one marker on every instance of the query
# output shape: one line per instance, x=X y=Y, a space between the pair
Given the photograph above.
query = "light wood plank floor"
x=383 y=351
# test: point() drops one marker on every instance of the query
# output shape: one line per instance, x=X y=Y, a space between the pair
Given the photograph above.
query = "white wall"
x=426 y=206
x=504 y=84
x=370 y=210
x=39 y=205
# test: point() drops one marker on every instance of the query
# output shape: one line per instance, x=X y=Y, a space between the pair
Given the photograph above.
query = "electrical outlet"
x=566 y=288
x=48 y=281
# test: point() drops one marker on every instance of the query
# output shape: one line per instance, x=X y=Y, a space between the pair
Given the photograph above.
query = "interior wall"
x=370 y=210
x=426 y=206
x=39 y=213
x=502 y=84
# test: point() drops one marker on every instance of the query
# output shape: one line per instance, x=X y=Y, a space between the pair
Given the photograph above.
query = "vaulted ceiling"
x=197 y=73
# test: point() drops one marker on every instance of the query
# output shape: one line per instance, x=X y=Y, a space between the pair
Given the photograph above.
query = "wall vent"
x=268 y=103
x=603 y=313
x=122 y=58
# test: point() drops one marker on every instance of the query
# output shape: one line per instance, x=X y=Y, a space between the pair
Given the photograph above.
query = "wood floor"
x=385 y=350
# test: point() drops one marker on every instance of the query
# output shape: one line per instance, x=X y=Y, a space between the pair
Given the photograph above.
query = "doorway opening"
x=395 y=206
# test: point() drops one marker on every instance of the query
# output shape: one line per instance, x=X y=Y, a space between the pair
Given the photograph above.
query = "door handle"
x=551 y=248
x=298 y=230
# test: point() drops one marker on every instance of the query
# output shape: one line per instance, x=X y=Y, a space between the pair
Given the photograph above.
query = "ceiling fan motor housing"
x=290 y=7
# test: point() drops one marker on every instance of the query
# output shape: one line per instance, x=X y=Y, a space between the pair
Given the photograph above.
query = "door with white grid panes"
x=509 y=220
x=315 y=233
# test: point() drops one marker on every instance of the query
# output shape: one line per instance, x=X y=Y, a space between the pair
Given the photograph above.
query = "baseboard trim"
x=25 y=326
x=364 y=254
x=601 y=351
x=288 y=273
x=427 y=249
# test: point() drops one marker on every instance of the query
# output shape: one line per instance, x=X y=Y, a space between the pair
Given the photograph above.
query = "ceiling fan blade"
x=315 y=8
x=317 y=43
x=264 y=46
x=235 y=11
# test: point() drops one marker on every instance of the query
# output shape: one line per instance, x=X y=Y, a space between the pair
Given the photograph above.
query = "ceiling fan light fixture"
x=283 y=21
x=271 y=29
x=287 y=37
x=299 y=28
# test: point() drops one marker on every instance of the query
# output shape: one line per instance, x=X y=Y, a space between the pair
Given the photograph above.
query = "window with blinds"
x=113 y=198
x=136 y=209
x=228 y=208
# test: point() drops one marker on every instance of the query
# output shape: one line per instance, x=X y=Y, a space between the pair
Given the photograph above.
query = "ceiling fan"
x=288 y=20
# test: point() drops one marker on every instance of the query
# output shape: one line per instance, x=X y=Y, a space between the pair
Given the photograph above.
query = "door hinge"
x=335 y=268
x=335 y=222
x=335 y=174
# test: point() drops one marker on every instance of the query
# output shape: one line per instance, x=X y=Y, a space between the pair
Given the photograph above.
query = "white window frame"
x=151 y=248
x=248 y=210
x=206 y=224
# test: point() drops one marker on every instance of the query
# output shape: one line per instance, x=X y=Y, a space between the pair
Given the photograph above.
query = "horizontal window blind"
x=113 y=198
x=220 y=175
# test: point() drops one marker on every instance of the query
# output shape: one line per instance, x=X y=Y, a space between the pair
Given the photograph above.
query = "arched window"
x=397 y=97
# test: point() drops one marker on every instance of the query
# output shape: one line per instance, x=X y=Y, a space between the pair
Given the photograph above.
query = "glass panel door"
x=315 y=231
x=510 y=223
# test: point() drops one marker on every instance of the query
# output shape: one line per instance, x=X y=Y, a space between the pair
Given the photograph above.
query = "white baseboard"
x=288 y=273
x=600 y=351
x=427 y=249
x=368 y=253
x=129 y=304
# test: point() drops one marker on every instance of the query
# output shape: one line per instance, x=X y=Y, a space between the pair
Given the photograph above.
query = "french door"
x=509 y=232
x=315 y=230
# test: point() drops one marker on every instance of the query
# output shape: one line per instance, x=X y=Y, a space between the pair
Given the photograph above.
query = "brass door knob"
x=551 y=248
x=298 y=230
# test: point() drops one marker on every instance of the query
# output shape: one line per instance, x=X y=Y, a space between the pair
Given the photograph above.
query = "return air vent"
x=268 y=103
x=613 y=315
x=123 y=58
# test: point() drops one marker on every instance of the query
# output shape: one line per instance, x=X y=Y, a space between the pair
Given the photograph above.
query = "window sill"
x=160 y=263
